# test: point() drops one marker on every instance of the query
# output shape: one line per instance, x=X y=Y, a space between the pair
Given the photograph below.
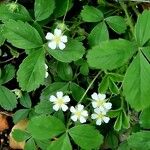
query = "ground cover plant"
x=75 y=74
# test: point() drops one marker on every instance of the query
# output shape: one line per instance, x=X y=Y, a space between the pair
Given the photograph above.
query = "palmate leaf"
x=110 y=54
x=43 y=9
x=31 y=72
x=22 y=35
x=8 y=99
x=136 y=83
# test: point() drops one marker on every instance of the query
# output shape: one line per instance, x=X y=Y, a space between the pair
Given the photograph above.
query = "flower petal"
x=52 y=98
x=61 y=45
x=64 y=107
x=59 y=94
x=66 y=98
x=74 y=118
x=94 y=96
x=49 y=36
x=108 y=105
x=64 y=39
x=101 y=96
x=94 y=104
x=80 y=107
x=94 y=116
x=56 y=107
x=72 y=109
x=46 y=74
x=99 y=122
x=97 y=110
x=84 y=113
x=57 y=32
x=106 y=119
x=52 y=45
x=46 y=67
x=82 y=119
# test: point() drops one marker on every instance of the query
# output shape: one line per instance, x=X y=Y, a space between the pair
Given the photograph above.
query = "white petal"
x=94 y=104
x=84 y=113
x=61 y=45
x=80 y=107
x=59 y=94
x=101 y=96
x=94 y=96
x=52 y=45
x=66 y=98
x=106 y=119
x=64 y=39
x=56 y=107
x=74 y=118
x=46 y=74
x=82 y=119
x=72 y=109
x=46 y=67
x=101 y=108
x=99 y=122
x=49 y=36
x=57 y=32
x=97 y=110
x=64 y=107
x=94 y=116
x=108 y=105
x=52 y=98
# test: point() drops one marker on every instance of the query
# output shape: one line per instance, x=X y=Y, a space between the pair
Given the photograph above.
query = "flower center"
x=57 y=39
x=100 y=116
x=60 y=102
x=100 y=103
x=78 y=113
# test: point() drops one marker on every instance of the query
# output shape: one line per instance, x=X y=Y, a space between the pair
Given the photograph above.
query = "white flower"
x=46 y=73
x=100 y=116
x=17 y=92
x=78 y=113
x=100 y=102
x=60 y=101
x=56 y=40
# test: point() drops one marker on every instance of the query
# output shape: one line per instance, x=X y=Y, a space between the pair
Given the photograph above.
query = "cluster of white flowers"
x=99 y=103
x=56 y=40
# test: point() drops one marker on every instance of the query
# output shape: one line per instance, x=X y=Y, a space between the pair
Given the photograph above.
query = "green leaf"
x=62 y=143
x=74 y=50
x=110 y=54
x=136 y=83
x=117 y=23
x=142 y=32
x=124 y=146
x=140 y=140
x=45 y=127
x=7 y=99
x=91 y=14
x=43 y=107
x=125 y=120
x=6 y=13
x=43 y=9
x=61 y=7
x=30 y=144
x=116 y=77
x=146 y=52
x=22 y=35
x=113 y=87
x=31 y=72
x=84 y=69
x=104 y=84
x=145 y=118
x=7 y=73
x=112 y=140
x=77 y=91
x=20 y=115
x=64 y=71
x=25 y=100
x=53 y=88
x=118 y=122
x=2 y=39
x=20 y=135
x=86 y=136
x=98 y=34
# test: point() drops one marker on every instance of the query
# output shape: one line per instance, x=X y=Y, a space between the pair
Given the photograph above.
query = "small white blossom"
x=46 y=73
x=99 y=101
x=56 y=40
x=100 y=116
x=78 y=113
x=17 y=92
x=59 y=101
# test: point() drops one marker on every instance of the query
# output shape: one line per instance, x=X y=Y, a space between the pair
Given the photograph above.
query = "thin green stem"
x=67 y=7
